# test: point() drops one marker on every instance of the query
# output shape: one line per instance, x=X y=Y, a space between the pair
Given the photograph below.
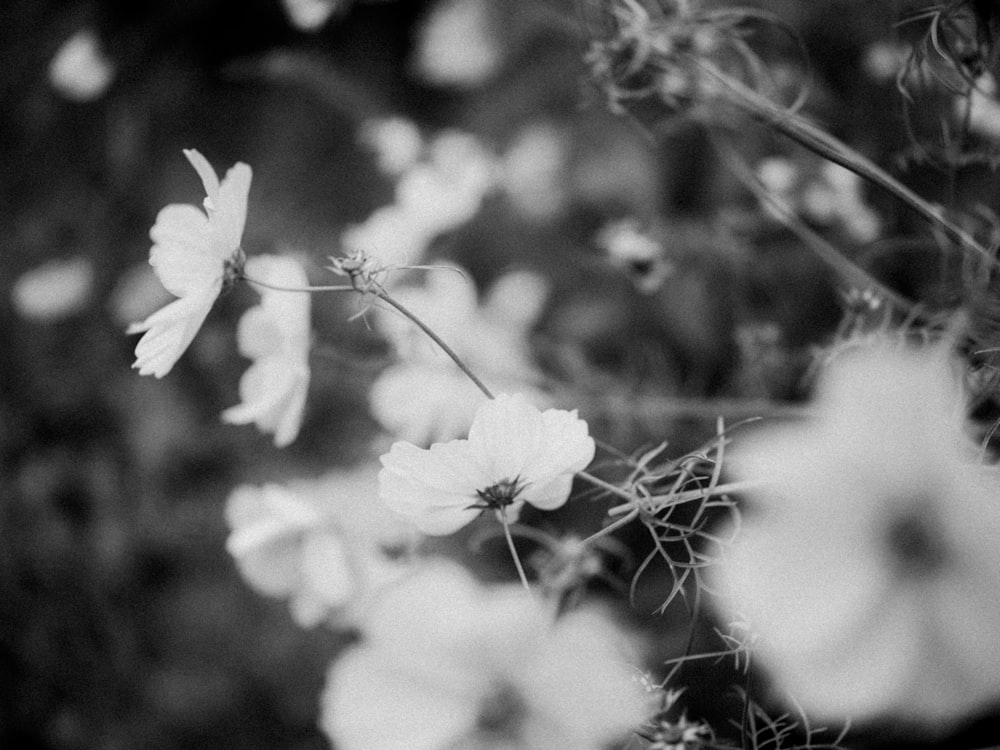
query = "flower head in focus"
x=515 y=454
x=867 y=564
x=276 y=336
x=326 y=545
x=193 y=253
x=448 y=663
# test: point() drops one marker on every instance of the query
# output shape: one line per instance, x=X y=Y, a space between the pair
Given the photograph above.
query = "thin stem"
x=623 y=521
x=303 y=289
x=605 y=486
x=502 y=512
x=383 y=295
x=818 y=141
x=683 y=497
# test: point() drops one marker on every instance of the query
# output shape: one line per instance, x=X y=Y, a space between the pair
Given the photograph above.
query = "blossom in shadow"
x=325 y=545
x=276 y=335
x=515 y=454
x=867 y=564
x=446 y=662
x=193 y=253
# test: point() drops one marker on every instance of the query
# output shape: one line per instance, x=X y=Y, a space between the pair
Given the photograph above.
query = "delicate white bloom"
x=515 y=454
x=458 y=44
x=396 y=142
x=325 y=545
x=137 y=294
x=54 y=290
x=867 y=562
x=491 y=338
x=276 y=336
x=192 y=254
x=448 y=663
x=310 y=15
x=80 y=70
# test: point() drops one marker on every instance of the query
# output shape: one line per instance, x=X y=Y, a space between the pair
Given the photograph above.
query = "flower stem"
x=683 y=497
x=502 y=512
x=384 y=296
x=598 y=482
x=305 y=289
x=623 y=521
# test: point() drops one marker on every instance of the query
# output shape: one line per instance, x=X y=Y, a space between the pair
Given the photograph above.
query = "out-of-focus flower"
x=396 y=142
x=982 y=108
x=534 y=167
x=449 y=663
x=433 y=196
x=54 y=290
x=883 y=60
x=80 y=70
x=515 y=454
x=137 y=294
x=325 y=545
x=310 y=15
x=868 y=563
x=458 y=44
x=192 y=255
x=276 y=336
x=637 y=252
x=491 y=338
x=830 y=196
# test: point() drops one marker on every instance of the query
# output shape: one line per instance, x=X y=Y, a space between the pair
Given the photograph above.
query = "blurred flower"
x=514 y=454
x=80 y=70
x=534 y=170
x=325 y=545
x=636 y=251
x=433 y=196
x=192 y=255
x=310 y=15
x=458 y=44
x=276 y=336
x=884 y=60
x=137 y=294
x=982 y=108
x=491 y=338
x=449 y=663
x=868 y=562
x=396 y=142
x=54 y=290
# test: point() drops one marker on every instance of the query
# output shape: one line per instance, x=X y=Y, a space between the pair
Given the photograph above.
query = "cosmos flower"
x=446 y=663
x=192 y=255
x=515 y=454
x=325 y=545
x=276 y=336
x=867 y=563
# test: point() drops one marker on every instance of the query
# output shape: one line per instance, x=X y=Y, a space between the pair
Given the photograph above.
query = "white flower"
x=396 y=142
x=514 y=454
x=191 y=255
x=276 y=336
x=80 y=70
x=54 y=290
x=458 y=44
x=868 y=564
x=325 y=545
x=310 y=15
x=448 y=663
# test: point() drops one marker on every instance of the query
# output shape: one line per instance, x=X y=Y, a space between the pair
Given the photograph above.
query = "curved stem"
x=623 y=521
x=303 y=289
x=502 y=512
x=683 y=497
x=383 y=295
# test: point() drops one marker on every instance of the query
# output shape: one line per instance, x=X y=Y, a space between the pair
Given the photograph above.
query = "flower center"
x=501 y=494
x=914 y=550
x=232 y=268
